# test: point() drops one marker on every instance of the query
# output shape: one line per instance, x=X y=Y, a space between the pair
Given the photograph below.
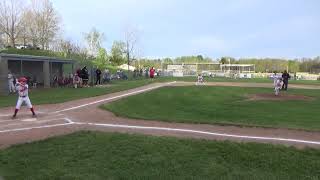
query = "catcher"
x=22 y=89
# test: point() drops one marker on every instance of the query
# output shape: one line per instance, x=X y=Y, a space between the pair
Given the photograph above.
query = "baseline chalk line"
x=115 y=97
x=201 y=132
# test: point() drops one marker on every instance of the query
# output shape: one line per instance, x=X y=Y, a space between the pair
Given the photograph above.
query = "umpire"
x=285 y=77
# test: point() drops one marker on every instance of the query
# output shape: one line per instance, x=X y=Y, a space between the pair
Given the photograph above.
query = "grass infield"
x=221 y=105
x=95 y=155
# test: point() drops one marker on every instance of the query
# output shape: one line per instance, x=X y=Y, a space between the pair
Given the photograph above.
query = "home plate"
x=29 y=120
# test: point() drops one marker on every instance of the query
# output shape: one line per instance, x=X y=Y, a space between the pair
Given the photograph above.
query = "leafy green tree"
x=94 y=40
x=102 y=60
x=200 y=58
x=224 y=60
x=293 y=66
x=167 y=61
x=118 y=53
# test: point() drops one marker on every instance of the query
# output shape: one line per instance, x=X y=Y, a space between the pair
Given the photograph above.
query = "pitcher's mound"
x=281 y=97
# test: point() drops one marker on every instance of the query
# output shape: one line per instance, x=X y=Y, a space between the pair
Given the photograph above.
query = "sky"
x=212 y=28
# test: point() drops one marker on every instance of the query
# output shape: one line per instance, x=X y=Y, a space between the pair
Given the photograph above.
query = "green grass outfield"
x=221 y=105
x=95 y=155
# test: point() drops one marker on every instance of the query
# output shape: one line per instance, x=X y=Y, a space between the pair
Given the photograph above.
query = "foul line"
x=200 y=132
x=8 y=115
x=115 y=97
x=31 y=122
x=36 y=127
x=70 y=122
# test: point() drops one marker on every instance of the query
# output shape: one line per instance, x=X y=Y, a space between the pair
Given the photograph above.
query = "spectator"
x=15 y=80
x=55 y=81
x=134 y=73
x=151 y=73
x=76 y=81
x=98 y=75
x=118 y=74
x=85 y=76
x=11 y=83
x=141 y=72
x=61 y=81
x=34 y=81
x=106 y=76
x=70 y=80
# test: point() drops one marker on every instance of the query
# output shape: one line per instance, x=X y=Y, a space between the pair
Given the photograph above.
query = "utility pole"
x=128 y=57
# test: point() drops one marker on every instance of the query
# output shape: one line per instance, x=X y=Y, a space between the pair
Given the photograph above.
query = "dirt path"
x=84 y=114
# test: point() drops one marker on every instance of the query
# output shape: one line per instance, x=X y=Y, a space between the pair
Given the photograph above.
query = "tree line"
x=33 y=22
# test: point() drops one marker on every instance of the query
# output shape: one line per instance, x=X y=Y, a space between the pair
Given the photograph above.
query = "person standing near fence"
x=10 y=83
x=76 y=81
x=98 y=75
x=85 y=76
x=152 y=72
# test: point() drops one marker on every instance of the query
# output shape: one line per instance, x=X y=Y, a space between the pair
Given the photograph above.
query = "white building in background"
x=125 y=67
x=211 y=69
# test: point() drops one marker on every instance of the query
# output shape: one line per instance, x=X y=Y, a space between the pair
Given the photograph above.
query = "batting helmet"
x=22 y=80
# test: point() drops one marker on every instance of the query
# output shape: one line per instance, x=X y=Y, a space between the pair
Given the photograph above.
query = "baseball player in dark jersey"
x=285 y=78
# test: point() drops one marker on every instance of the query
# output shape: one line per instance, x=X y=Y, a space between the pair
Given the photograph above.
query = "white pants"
x=25 y=100
x=11 y=87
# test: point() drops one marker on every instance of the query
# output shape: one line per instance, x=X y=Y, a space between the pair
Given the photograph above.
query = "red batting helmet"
x=22 y=80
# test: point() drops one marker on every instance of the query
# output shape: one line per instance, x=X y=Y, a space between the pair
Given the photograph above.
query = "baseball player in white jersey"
x=12 y=89
x=277 y=82
x=200 y=80
x=23 y=89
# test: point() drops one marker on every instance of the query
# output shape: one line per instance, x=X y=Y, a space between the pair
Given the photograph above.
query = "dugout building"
x=42 y=68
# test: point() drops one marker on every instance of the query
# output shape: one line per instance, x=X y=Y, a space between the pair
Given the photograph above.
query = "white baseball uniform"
x=10 y=83
x=23 y=95
x=275 y=78
x=277 y=83
x=200 y=80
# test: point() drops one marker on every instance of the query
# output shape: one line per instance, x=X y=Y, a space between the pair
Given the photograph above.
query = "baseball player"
x=10 y=83
x=22 y=89
x=200 y=80
x=277 y=82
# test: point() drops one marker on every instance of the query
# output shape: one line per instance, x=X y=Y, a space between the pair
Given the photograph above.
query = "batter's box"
x=32 y=123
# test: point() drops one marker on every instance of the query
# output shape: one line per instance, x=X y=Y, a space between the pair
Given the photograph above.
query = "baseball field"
x=165 y=129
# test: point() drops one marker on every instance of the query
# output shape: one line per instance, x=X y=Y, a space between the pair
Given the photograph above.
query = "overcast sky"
x=214 y=28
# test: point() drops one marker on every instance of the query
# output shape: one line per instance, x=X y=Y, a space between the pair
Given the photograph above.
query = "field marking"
x=115 y=97
x=70 y=122
x=6 y=115
x=201 y=132
x=36 y=127
x=13 y=120
x=31 y=122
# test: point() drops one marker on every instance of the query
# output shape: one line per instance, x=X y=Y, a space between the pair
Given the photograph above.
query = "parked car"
x=27 y=47
x=22 y=46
